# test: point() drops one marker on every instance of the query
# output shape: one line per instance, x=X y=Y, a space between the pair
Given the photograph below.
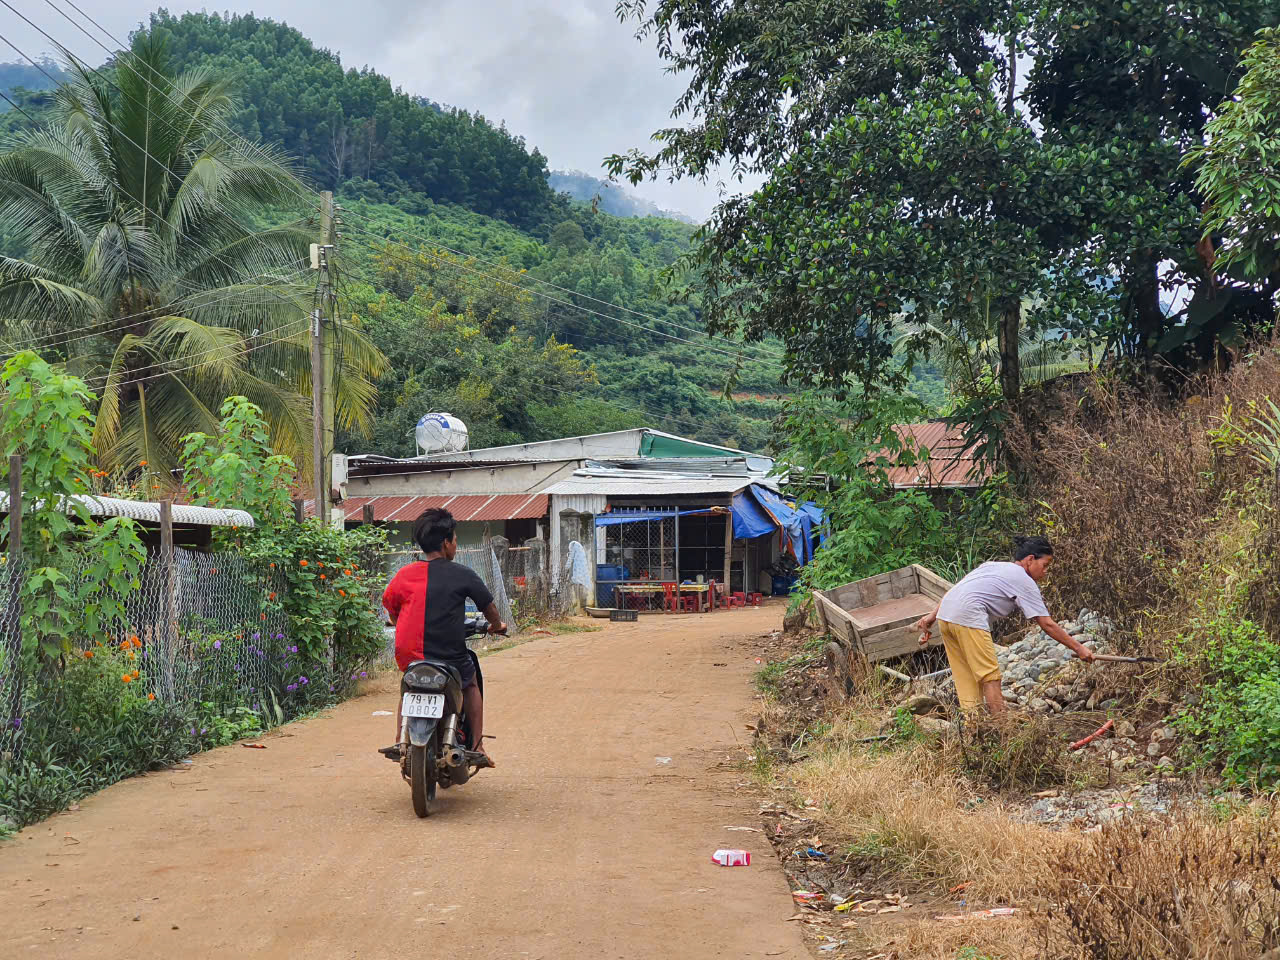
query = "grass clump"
x=1013 y=751
x=1185 y=888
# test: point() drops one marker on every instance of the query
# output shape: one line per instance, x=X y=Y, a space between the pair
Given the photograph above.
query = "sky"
x=564 y=74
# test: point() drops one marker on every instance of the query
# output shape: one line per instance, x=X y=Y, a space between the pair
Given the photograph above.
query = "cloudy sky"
x=565 y=74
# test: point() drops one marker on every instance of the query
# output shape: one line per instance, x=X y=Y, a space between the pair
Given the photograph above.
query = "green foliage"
x=1234 y=721
x=138 y=228
x=325 y=585
x=44 y=417
x=236 y=468
x=874 y=527
x=952 y=167
x=1234 y=167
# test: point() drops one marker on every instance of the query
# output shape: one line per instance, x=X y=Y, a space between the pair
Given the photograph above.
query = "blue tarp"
x=613 y=519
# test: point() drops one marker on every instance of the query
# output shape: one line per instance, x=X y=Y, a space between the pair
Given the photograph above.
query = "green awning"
x=658 y=445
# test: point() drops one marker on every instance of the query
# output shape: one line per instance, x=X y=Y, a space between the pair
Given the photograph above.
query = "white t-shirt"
x=992 y=591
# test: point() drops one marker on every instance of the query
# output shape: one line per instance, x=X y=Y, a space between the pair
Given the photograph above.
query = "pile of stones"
x=1043 y=676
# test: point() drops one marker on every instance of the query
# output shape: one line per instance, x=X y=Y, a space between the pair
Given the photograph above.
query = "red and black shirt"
x=428 y=604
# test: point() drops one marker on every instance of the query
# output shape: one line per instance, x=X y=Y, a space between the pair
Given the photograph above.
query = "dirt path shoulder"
x=582 y=844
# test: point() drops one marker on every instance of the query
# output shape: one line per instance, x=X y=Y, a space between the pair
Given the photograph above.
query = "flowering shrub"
x=294 y=625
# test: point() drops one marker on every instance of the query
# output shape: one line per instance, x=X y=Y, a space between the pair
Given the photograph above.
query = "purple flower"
x=255 y=707
x=204 y=729
x=331 y=688
x=363 y=675
x=17 y=723
x=353 y=676
x=217 y=644
x=291 y=687
x=293 y=649
x=279 y=636
x=257 y=636
x=193 y=731
x=303 y=681
x=253 y=690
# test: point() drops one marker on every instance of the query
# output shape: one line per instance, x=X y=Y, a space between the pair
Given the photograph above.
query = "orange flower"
x=347 y=572
x=88 y=654
x=142 y=463
x=263 y=616
x=136 y=674
x=322 y=566
x=273 y=566
x=124 y=644
x=302 y=563
x=135 y=642
x=132 y=655
x=126 y=678
x=322 y=576
x=151 y=696
x=342 y=593
x=272 y=597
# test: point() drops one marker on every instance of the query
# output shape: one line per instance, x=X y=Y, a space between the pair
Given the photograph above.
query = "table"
x=648 y=590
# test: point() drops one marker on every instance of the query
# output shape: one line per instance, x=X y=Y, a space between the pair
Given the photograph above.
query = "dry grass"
x=1187 y=888
x=908 y=810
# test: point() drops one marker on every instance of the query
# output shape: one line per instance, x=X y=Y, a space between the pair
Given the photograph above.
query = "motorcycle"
x=436 y=747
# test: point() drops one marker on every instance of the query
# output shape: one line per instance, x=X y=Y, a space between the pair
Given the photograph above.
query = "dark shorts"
x=468 y=671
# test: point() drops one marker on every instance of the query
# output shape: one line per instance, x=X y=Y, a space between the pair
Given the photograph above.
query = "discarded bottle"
x=732 y=858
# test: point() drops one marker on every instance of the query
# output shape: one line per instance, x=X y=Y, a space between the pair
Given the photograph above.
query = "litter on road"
x=732 y=858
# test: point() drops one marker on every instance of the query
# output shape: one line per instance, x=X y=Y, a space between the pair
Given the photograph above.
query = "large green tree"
x=951 y=160
x=146 y=272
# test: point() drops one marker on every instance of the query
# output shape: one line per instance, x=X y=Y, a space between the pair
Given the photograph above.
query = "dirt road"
x=580 y=845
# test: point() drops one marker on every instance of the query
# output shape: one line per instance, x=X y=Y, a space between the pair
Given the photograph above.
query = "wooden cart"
x=873 y=618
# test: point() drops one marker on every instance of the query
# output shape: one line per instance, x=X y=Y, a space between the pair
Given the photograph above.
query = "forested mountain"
x=345 y=123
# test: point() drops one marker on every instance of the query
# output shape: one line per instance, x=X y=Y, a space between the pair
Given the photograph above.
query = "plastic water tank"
x=440 y=433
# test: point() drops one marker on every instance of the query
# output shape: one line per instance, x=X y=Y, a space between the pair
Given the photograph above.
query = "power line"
x=112 y=325
x=102 y=381
x=556 y=300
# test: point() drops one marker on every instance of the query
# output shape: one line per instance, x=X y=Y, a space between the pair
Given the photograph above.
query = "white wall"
x=487 y=481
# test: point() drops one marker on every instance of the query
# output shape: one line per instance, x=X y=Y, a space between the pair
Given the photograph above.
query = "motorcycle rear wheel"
x=422 y=777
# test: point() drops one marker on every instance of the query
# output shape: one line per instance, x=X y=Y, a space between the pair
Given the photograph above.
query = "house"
x=556 y=491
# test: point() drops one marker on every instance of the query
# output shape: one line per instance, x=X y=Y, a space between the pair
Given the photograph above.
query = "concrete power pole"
x=322 y=372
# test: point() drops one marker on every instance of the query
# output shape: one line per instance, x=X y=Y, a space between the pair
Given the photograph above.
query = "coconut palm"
x=149 y=271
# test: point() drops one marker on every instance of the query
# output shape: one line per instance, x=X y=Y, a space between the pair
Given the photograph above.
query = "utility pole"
x=322 y=379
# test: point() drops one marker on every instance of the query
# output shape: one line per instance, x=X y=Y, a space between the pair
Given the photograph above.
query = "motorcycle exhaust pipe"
x=456 y=758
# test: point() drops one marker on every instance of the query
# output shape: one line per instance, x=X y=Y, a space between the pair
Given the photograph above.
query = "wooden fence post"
x=13 y=604
x=366 y=514
x=298 y=512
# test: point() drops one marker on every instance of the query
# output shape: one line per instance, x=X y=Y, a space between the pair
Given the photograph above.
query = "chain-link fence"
x=198 y=654
x=11 y=677
x=519 y=577
x=638 y=555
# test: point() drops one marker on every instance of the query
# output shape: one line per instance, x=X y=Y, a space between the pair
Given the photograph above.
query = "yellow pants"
x=972 y=656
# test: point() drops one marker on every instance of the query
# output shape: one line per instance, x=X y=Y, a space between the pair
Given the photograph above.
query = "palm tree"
x=149 y=271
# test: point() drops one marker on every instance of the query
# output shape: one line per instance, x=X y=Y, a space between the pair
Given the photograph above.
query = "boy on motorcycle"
x=427 y=602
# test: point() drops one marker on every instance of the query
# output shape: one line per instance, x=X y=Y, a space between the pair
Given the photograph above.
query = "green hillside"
x=529 y=313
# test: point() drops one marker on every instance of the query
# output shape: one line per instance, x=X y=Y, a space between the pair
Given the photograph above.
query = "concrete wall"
x=516 y=478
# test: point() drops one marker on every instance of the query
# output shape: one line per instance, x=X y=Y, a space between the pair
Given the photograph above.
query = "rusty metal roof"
x=465 y=508
x=951 y=462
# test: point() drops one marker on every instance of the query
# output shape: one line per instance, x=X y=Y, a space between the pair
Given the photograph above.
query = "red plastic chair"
x=755 y=599
x=670 y=600
x=739 y=599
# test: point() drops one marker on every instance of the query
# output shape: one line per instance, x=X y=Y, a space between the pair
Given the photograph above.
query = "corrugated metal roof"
x=659 y=485
x=150 y=512
x=951 y=463
x=465 y=507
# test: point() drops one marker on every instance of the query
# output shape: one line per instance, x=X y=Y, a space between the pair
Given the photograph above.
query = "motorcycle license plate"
x=423 y=705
